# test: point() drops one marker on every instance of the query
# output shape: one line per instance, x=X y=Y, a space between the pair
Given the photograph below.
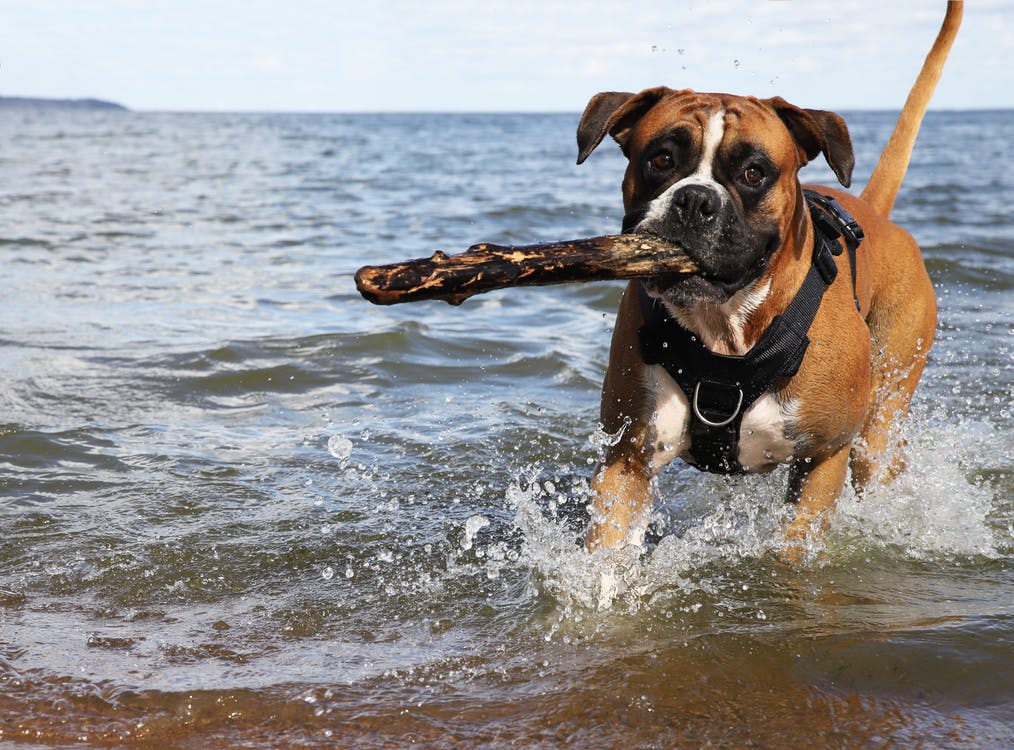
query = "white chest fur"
x=763 y=441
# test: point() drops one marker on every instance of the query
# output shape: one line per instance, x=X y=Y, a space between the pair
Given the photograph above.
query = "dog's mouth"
x=697 y=286
x=700 y=287
x=710 y=283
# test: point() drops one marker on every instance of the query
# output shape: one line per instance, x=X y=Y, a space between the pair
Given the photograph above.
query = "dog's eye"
x=661 y=162
x=751 y=176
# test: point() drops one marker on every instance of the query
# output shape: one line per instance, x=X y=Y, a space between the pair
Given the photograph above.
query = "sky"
x=493 y=55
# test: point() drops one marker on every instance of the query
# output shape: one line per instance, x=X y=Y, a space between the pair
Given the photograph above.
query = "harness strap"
x=720 y=388
x=834 y=223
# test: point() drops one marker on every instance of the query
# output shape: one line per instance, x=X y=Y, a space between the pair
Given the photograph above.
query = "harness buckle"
x=854 y=233
x=704 y=419
x=833 y=215
x=827 y=227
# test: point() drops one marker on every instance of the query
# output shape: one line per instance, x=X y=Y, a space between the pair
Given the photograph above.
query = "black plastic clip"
x=832 y=214
x=828 y=228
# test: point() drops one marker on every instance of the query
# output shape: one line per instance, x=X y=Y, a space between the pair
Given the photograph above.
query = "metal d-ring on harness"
x=720 y=388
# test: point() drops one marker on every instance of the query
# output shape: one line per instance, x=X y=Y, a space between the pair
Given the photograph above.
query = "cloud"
x=268 y=62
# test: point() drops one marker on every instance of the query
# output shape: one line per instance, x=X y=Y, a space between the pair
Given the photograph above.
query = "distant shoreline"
x=91 y=104
x=29 y=102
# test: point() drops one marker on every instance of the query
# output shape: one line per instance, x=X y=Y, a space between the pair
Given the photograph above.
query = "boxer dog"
x=717 y=175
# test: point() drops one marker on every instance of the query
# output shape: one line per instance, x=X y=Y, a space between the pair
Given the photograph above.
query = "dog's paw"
x=611 y=586
x=617 y=568
x=793 y=554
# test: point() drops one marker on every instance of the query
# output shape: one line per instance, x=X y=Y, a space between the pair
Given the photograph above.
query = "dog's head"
x=715 y=174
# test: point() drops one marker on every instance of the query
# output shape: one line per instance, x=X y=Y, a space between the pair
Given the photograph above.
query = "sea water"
x=240 y=506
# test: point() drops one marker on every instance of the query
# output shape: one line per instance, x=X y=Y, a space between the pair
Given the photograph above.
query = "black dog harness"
x=722 y=387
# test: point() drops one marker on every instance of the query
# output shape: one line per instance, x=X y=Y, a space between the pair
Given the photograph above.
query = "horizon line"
x=79 y=100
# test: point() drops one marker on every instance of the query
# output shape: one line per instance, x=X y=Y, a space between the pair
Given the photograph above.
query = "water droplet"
x=328 y=573
x=604 y=439
x=340 y=447
x=472 y=527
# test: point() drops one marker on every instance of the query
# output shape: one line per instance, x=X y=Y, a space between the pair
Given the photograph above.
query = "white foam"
x=933 y=511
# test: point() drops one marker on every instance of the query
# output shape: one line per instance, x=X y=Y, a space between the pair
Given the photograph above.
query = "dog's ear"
x=816 y=130
x=613 y=112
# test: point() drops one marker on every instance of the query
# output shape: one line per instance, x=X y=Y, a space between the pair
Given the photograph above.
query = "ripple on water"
x=245 y=508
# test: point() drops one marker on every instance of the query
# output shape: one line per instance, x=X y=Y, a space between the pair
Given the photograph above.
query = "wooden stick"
x=485 y=267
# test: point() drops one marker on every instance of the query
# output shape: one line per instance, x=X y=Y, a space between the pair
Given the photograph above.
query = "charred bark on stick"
x=485 y=267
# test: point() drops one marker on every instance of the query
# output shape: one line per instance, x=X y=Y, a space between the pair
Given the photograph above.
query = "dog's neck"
x=722 y=327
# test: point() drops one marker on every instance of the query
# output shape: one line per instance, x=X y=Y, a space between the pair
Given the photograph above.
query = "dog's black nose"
x=697 y=202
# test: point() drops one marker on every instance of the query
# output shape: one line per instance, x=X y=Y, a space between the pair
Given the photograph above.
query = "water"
x=239 y=506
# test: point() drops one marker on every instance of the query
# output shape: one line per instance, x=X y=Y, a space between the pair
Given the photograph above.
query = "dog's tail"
x=885 y=181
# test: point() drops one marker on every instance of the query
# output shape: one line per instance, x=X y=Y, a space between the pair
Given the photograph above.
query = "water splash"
x=932 y=511
x=603 y=439
x=737 y=524
x=935 y=508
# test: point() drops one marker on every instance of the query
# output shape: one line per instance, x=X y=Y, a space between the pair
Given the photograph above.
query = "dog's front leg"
x=622 y=502
x=813 y=487
x=622 y=483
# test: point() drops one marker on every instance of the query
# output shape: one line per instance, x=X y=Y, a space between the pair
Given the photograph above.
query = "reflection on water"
x=239 y=507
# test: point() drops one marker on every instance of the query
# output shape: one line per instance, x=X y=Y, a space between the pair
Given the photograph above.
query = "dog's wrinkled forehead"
x=713 y=122
x=794 y=134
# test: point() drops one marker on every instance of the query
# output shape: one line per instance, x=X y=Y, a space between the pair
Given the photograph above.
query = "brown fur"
x=861 y=368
